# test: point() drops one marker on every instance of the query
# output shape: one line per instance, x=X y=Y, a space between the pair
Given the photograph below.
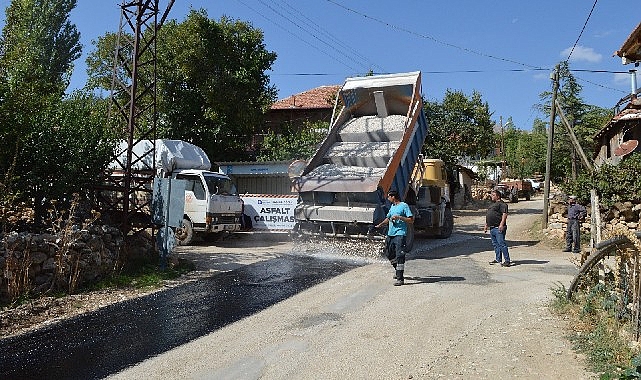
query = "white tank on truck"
x=212 y=204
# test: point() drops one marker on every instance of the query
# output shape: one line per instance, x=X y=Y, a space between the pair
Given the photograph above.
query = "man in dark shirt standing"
x=576 y=213
x=496 y=222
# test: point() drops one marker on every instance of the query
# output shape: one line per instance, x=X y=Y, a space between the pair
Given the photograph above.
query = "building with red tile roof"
x=312 y=105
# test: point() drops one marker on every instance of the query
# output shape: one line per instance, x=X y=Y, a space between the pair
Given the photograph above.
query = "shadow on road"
x=432 y=279
x=529 y=262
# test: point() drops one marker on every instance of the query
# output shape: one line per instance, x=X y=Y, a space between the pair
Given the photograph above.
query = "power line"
x=331 y=46
x=582 y=29
x=298 y=37
x=601 y=85
x=333 y=39
x=575 y=45
x=303 y=29
x=428 y=37
x=472 y=71
x=468 y=50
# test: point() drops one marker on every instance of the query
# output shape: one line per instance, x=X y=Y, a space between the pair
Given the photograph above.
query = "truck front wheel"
x=185 y=234
x=448 y=224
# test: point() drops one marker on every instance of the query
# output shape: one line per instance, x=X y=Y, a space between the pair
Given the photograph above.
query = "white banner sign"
x=270 y=212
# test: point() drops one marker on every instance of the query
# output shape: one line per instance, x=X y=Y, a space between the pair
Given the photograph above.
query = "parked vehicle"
x=212 y=204
x=373 y=146
x=513 y=189
x=536 y=185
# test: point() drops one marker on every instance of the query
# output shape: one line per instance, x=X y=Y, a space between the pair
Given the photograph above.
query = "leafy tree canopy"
x=585 y=120
x=613 y=183
x=68 y=153
x=37 y=49
x=54 y=146
x=458 y=126
x=212 y=87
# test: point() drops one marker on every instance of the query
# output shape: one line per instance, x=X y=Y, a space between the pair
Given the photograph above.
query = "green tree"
x=458 y=126
x=100 y=62
x=585 y=120
x=71 y=152
x=38 y=47
x=524 y=150
x=292 y=143
x=618 y=183
x=212 y=87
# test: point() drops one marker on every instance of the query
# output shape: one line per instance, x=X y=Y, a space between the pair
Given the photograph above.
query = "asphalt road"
x=457 y=317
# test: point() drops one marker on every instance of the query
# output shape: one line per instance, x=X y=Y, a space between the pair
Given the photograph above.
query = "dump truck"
x=373 y=146
x=212 y=204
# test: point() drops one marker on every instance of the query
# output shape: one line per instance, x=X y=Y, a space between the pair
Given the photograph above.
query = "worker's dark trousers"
x=573 y=235
x=395 y=246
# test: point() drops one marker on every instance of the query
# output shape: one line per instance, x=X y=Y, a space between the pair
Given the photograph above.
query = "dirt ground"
x=457 y=317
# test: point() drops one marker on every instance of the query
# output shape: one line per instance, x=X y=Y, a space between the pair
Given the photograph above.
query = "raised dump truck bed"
x=372 y=147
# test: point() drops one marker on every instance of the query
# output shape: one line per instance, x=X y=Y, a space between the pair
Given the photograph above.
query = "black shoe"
x=506 y=264
x=494 y=262
x=576 y=251
x=567 y=250
x=399 y=282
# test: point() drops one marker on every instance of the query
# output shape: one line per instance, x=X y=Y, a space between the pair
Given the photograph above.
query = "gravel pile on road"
x=364 y=248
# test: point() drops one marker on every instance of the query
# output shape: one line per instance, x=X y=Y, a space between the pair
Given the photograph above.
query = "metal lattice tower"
x=125 y=195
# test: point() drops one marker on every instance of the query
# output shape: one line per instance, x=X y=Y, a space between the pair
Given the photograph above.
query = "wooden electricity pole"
x=548 y=159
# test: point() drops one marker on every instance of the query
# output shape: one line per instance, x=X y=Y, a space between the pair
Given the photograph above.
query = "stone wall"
x=40 y=262
x=622 y=214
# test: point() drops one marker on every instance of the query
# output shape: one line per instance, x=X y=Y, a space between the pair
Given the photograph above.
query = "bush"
x=613 y=183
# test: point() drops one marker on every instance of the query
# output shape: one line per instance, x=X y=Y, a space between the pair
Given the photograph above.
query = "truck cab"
x=212 y=205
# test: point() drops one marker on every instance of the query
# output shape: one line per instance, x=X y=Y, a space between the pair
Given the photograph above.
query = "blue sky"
x=503 y=49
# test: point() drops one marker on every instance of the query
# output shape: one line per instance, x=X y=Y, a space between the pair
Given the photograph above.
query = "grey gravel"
x=336 y=171
x=365 y=128
x=369 y=124
x=363 y=149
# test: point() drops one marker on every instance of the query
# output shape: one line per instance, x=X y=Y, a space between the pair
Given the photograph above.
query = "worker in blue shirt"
x=398 y=218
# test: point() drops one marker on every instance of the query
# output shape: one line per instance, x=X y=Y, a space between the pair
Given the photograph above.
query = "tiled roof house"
x=313 y=105
x=620 y=137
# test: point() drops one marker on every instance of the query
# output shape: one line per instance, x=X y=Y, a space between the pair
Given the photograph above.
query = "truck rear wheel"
x=448 y=224
x=185 y=234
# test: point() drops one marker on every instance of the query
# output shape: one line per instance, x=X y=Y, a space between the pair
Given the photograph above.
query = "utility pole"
x=134 y=115
x=502 y=149
x=548 y=159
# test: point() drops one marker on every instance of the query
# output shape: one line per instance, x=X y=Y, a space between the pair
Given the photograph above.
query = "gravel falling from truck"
x=324 y=246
